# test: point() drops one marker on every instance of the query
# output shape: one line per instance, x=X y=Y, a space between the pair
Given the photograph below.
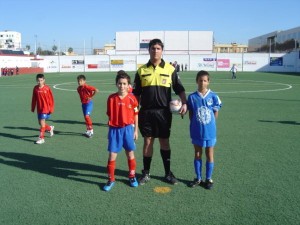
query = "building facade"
x=10 y=40
x=276 y=41
x=230 y=48
x=175 y=42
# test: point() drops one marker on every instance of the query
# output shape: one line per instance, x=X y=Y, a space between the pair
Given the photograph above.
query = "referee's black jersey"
x=153 y=85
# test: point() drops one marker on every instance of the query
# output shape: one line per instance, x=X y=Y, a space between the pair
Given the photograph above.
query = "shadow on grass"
x=56 y=168
x=78 y=122
x=283 y=122
x=13 y=136
x=56 y=132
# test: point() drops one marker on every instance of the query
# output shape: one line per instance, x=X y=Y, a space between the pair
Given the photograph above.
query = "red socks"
x=132 y=167
x=42 y=132
x=88 y=122
x=111 y=165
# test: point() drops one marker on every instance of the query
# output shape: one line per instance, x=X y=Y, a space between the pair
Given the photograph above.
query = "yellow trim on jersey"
x=159 y=76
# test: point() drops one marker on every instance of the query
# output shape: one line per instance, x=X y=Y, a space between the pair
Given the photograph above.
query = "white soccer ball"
x=175 y=106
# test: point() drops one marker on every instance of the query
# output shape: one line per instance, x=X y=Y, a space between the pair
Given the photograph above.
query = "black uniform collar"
x=162 y=64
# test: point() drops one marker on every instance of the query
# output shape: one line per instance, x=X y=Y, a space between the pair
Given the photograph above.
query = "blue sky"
x=69 y=23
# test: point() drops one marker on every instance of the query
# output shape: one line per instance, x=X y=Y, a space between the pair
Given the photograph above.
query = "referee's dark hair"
x=156 y=41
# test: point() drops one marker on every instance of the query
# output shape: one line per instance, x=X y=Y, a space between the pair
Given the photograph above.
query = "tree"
x=70 y=49
x=54 y=48
x=39 y=50
x=27 y=47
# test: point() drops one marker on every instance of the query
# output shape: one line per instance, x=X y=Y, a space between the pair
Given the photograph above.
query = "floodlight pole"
x=83 y=55
x=58 y=57
x=35 y=44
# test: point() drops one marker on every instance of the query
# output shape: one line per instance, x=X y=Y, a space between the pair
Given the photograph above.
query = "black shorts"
x=155 y=123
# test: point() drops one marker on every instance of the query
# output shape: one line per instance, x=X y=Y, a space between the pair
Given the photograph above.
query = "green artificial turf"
x=256 y=176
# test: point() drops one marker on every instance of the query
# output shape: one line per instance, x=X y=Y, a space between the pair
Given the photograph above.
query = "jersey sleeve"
x=108 y=107
x=33 y=100
x=51 y=101
x=176 y=83
x=217 y=103
x=135 y=106
x=137 y=87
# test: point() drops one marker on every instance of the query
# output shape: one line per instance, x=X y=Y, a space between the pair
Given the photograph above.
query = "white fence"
x=273 y=62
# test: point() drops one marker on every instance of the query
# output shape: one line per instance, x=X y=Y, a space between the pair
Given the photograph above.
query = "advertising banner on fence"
x=223 y=63
x=276 y=61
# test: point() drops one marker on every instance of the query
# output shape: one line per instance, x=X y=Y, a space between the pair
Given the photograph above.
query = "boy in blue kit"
x=203 y=106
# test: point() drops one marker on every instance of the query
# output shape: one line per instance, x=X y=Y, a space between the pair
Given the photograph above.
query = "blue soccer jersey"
x=202 y=122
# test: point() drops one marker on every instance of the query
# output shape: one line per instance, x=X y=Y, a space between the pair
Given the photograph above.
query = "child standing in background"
x=122 y=112
x=43 y=100
x=203 y=106
x=86 y=93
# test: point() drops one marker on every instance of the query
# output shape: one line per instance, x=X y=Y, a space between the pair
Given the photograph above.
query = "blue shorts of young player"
x=121 y=137
x=87 y=108
x=205 y=143
x=43 y=116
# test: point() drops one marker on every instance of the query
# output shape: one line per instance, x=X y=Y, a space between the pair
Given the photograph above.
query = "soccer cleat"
x=196 y=182
x=170 y=178
x=209 y=184
x=109 y=185
x=51 y=131
x=40 y=141
x=133 y=182
x=89 y=133
x=144 y=178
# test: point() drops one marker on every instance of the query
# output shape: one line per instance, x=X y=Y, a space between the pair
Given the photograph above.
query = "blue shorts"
x=205 y=143
x=44 y=116
x=87 y=108
x=121 y=137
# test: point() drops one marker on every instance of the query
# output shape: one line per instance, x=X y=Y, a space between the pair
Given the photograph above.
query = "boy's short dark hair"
x=121 y=74
x=40 y=75
x=81 y=77
x=202 y=73
x=156 y=41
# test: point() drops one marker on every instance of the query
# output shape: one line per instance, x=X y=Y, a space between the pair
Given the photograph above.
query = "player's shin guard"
x=209 y=169
x=166 y=157
x=132 y=167
x=88 y=122
x=42 y=132
x=198 y=168
x=111 y=165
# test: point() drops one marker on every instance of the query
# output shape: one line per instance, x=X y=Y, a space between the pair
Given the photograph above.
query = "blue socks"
x=209 y=169
x=198 y=168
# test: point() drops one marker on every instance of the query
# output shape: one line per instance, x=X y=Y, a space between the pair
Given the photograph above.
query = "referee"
x=153 y=86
